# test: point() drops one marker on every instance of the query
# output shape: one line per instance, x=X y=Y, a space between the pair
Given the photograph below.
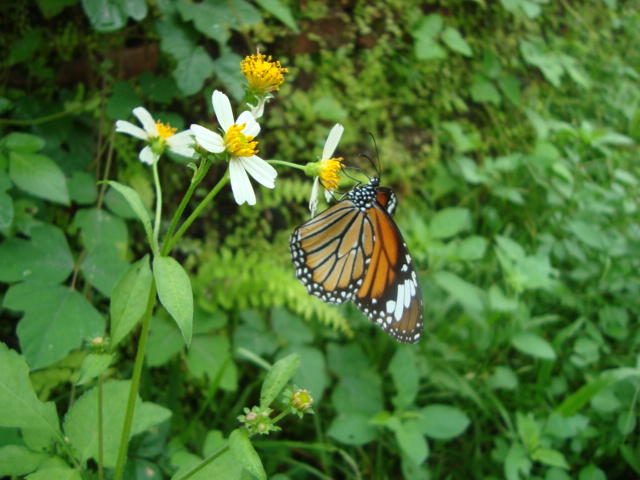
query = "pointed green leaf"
x=443 y=422
x=45 y=257
x=174 y=291
x=277 y=378
x=22 y=142
x=134 y=200
x=92 y=366
x=19 y=460
x=38 y=175
x=56 y=320
x=405 y=375
x=100 y=227
x=449 y=222
x=129 y=299
x=59 y=473
x=534 y=345
x=244 y=452
x=454 y=40
x=280 y=11
x=102 y=267
x=19 y=405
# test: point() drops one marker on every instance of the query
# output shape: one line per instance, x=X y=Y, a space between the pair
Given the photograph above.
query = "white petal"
x=257 y=110
x=146 y=155
x=328 y=195
x=123 y=126
x=181 y=143
x=146 y=120
x=332 y=141
x=252 y=127
x=313 y=200
x=240 y=183
x=222 y=107
x=211 y=141
x=264 y=173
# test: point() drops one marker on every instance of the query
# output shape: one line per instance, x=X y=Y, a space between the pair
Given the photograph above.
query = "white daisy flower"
x=326 y=169
x=157 y=135
x=238 y=143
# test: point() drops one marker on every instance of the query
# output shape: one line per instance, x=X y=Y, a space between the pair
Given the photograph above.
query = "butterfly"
x=354 y=251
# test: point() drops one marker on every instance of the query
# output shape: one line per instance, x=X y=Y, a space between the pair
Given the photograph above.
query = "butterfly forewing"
x=354 y=251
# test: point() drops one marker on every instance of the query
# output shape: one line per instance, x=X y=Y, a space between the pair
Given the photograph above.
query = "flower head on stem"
x=263 y=76
x=325 y=170
x=159 y=136
x=239 y=148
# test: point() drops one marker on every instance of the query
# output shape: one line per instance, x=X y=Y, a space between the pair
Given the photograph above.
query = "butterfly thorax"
x=365 y=195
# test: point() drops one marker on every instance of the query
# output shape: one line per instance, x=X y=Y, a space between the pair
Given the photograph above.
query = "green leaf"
x=529 y=431
x=123 y=99
x=470 y=296
x=533 y=345
x=19 y=460
x=244 y=452
x=510 y=87
x=59 y=473
x=51 y=8
x=449 y=222
x=452 y=39
x=19 y=405
x=360 y=393
x=516 y=464
x=277 y=378
x=45 y=257
x=483 y=90
x=211 y=355
x=165 y=341
x=92 y=366
x=443 y=422
x=102 y=267
x=56 y=320
x=312 y=371
x=405 y=375
x=129 y=299
x=280 y=11
x=39 y=176
x=412 y=442
x=82 y=188
x=80 y=421
x=22 y=142
x=174 y=291
x=136 y=204
x=424 y=33
x=104 y=15
x=99 y=227
x=352 y=429
x=550 y=457
x=472 y=248
x=226 y=68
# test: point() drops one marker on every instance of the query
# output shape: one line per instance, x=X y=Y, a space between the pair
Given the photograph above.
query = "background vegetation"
x=507 y=128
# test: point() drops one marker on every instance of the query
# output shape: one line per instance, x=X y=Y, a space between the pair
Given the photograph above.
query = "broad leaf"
x=244 y=452
x=39 y=176
x=56 y=320
x=174 y=291
x=130 y=298
x=19 y=405
x=92 y=366
x=277 y=378
x=531 y=344
x=443 y=422
x=136 y=204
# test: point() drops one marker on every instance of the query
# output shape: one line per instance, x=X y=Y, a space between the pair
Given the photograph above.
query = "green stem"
x=204 y=463
x=100 y=430
x=156 y=223
x=187 y=223
x=286 y=164
x=135 y=383
x=197 y=178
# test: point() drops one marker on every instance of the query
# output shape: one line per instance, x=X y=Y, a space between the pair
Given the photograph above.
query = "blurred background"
x=508 y=130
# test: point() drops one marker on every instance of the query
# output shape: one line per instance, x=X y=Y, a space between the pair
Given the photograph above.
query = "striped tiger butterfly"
x=354 y=251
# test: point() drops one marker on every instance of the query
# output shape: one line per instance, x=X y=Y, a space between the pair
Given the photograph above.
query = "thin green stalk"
x=100 y=429
x=286 y=164
x=187 y=223
x=204 y=463
x=156 y=223
x=197 y=178
x=135 y=383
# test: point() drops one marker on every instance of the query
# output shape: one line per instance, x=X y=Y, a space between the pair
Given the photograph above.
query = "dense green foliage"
x=508 y=130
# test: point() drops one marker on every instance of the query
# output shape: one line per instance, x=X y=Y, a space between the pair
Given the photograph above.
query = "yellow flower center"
x=165 y=131
x=329 y=173
x=263 y=75
x=238 y=144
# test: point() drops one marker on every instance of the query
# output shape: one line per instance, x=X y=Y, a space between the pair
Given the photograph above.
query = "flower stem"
x=197 y=178
x=156 y=223
x=205 y=462
x=187 y=223
x=286 y=164
x=135 y=383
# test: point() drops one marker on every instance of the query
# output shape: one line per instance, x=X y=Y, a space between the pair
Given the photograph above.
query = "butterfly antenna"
x=375 y=144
